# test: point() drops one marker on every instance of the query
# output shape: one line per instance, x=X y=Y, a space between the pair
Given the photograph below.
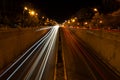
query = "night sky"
x=58 y=10
x=63 y=9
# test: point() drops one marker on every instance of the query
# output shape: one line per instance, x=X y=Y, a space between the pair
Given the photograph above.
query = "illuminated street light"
x=75 y=17
x=86 y=23
x=32 y=12
x=100 y=21
x=25 y=8
x=95 y=9
x=78 y=23
x=68 y=22
x=47 y=20
x=43 y=17
x=73 y=20
x=36 y=14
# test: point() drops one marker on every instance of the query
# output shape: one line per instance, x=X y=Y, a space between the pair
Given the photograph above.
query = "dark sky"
x=55 y=9
x=62 y=9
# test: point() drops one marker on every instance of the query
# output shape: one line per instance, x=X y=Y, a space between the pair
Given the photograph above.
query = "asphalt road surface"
x=38 y=62
x=80 y=63
x=59 y=55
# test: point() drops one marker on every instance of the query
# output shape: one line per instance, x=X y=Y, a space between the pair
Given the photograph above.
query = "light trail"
x=45 y=50
x=44 y=28
x=49 y=39
x=41 y=40
x=50 y=47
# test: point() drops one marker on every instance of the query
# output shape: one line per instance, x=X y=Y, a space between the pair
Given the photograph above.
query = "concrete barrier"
x=14 y=42
x=105 y=43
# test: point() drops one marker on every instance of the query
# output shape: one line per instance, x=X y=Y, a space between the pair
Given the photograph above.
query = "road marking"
x=64 y=65
x=65 y=74
x=56 y=64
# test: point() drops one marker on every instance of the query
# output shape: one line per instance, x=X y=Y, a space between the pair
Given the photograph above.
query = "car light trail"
x=41 y=40
x=50 y=47
x=47 y=51
x=44 y=28
x=49 y=42
x=96 y=67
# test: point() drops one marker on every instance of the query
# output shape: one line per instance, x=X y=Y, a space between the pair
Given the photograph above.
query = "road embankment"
x=15 y=42
x=105 y=43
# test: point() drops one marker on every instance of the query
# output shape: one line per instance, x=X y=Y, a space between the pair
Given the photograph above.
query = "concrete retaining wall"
x=105 y=43
x=14 y=42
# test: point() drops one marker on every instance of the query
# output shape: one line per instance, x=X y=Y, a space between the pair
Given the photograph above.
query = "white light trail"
x=44 y=28
x=40 y=42
x=50 y=47
x=47 y=48
x=37 y=60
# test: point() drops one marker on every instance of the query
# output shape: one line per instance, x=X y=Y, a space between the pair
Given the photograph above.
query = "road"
x=80 y=63
x=59 y=55
x=38 y=62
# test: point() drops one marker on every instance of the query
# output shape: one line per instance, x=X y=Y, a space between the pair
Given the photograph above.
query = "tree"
x=6 y=21
x=97 y=20
x=0 y=19
x=84 y=14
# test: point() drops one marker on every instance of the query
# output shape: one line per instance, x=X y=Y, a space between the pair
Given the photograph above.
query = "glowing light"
x=86 y=23
x=36 y=14
x=32 y=12
x=47 y=51
x=68 y=22
x=43 y=17
x=95 y=9
x=45 y=47
x=25 y=8
x=73 y=20
x=100 y=21
x=43 y=28
x=75 y=17
x=56 y=26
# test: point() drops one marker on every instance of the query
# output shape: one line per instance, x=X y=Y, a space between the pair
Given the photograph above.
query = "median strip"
x=60 y=65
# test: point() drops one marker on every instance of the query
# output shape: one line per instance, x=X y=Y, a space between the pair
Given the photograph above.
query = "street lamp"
x=25 y=8
x=43 y=17
x=95 y=9
x=100 y=21
x=36 y=14
x=73 y=20
x=32 y=13
x=68 y=21
x=86 y=23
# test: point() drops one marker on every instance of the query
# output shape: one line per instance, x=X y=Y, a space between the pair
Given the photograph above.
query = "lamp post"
x=25 y=9
x=30 y=12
